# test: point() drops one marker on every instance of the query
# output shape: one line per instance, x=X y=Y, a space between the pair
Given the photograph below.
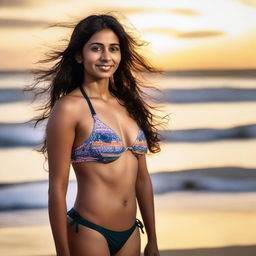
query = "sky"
x=181 y=34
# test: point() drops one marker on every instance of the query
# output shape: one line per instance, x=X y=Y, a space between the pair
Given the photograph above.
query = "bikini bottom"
x=115 y=239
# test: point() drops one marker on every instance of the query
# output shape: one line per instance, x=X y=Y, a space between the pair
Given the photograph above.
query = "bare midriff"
x=106 y=192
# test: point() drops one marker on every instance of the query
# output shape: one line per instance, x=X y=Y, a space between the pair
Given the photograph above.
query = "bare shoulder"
x=67 y=103
x=64 y=111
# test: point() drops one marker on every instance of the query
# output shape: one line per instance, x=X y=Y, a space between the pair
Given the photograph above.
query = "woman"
x=99 y=122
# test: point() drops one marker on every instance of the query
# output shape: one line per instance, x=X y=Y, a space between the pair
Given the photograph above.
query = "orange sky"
x=182 y=34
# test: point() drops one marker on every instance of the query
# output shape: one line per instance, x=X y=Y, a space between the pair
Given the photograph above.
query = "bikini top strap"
x=88 y=100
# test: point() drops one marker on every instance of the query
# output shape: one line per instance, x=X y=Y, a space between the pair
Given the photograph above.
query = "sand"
x=188 y=223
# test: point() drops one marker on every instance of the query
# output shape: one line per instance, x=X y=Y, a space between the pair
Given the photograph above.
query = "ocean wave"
x=205 y=135
x=202 y=95
x=29 y=195
x=24 y=134
x=33 y=195
x=221 y=179
x=193 y=95
x=20 y=134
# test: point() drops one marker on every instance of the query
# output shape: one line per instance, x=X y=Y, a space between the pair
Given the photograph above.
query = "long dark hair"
x=66 y=74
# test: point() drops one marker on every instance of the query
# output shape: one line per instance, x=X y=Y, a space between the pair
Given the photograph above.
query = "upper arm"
x=60 y=133
x=142 y=174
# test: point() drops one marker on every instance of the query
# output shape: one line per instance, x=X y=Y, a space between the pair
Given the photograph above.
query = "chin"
x=103 y=75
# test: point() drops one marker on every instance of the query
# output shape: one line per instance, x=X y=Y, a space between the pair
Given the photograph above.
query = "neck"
x=97 y=88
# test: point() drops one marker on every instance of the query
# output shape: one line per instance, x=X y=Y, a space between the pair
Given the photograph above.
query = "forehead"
x=105 y=36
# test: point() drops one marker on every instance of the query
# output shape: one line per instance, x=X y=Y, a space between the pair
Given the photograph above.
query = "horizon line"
x=246 y=72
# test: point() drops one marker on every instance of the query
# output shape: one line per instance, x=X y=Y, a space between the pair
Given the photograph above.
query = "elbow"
x=56 y=199
x=57 y=185
x=58 y=192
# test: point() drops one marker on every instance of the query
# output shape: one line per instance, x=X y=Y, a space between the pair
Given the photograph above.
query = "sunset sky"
x=192 y=34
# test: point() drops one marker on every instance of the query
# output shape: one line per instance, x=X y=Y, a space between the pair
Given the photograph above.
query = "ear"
x=78 y=58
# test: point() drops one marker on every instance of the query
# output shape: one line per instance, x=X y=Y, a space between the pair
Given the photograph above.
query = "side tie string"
x=75 y=222
x=140 y=225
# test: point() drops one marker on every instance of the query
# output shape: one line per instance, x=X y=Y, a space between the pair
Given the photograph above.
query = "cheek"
x=89 y=57
x=89 y=62
x=118 y=59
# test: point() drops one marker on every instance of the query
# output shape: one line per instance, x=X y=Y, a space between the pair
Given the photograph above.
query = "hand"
x=151 y=249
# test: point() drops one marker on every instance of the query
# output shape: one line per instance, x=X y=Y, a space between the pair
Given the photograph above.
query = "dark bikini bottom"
x=115 y=239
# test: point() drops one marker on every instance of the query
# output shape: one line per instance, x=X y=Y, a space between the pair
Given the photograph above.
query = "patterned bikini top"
x=103 y=144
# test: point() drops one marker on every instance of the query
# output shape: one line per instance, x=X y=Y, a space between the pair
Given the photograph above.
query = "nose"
x=105 y=55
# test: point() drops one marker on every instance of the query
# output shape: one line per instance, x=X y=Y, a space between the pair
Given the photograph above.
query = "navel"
x=125 y=202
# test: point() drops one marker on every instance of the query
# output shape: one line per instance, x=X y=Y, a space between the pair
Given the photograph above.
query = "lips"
x=104 y=67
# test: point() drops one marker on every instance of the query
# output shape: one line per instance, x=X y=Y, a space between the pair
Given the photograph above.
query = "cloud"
x=25 y=3
x=200 y=33
x=135 y=10
x=185 y=12
x=15 y=3
x=185 y=34
x=21 y=23
x=140 y=10
x=248 y=2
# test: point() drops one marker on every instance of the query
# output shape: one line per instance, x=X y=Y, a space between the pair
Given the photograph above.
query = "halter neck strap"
x=88 y=100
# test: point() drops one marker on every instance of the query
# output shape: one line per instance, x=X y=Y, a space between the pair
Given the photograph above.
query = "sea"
x=209 y=144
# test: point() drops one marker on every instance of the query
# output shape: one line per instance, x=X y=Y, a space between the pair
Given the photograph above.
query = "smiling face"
x=100 y=55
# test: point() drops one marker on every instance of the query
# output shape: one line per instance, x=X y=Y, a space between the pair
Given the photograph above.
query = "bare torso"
x=106 y=192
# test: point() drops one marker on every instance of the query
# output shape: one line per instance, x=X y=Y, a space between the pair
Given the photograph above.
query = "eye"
x=114 y=48
x=95 y=48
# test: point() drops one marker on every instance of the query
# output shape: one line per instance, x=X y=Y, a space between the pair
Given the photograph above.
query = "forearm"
x=144 y=193
x=58 y=219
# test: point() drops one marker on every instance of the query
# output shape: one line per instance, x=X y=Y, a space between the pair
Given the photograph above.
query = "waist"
x=107 y=211
x=102 y=199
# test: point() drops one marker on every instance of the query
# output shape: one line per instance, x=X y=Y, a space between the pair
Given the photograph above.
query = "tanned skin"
x=107 y=193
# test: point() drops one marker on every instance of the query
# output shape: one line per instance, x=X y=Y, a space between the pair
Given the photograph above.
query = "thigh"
x=132 y=245
x=87 y=242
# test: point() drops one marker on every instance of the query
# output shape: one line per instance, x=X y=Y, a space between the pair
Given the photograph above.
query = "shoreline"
x=185 y=226
x=194 y=202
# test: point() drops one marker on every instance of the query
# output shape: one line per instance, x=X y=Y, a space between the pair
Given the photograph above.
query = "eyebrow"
x=103 y=44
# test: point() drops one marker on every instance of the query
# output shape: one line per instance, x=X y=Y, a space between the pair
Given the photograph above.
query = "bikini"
x=115 y=239
x=105 y=146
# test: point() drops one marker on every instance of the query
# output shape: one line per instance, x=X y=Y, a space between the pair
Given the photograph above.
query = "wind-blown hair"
x=66 y=74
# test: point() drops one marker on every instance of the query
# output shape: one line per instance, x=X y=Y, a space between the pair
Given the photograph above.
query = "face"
x=101 y=55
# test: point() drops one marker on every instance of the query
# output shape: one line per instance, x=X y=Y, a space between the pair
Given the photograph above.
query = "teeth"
x=105 y=67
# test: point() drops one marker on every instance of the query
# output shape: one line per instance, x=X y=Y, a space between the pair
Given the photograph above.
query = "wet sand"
x=249 y=250
x=188 y=223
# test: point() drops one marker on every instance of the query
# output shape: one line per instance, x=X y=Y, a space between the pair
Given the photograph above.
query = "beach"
x=191 y=223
